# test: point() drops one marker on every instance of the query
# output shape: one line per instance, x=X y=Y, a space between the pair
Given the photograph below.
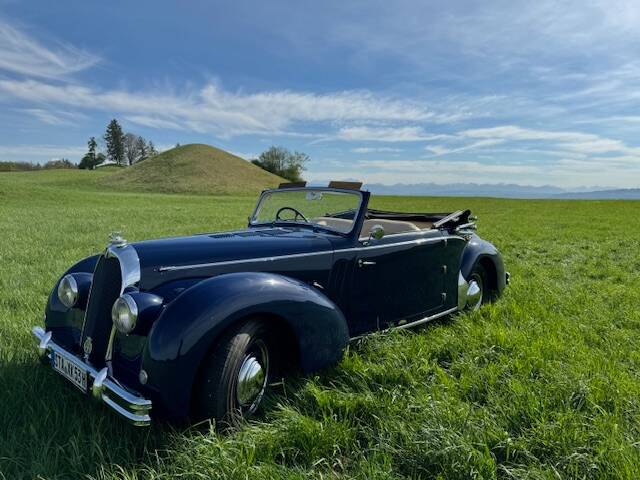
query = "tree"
x=131 y=148
x=91 y=159
x=282 y=162
x=61 y=163
x=90 y=162
x=92 y=145
x=141 y=149
x=149 y=152
x=114 y=138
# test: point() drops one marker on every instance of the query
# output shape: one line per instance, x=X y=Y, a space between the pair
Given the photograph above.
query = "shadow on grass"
x=53 y=430
x=50 y=429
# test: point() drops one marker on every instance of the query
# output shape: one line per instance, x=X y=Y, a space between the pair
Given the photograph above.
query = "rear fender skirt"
x=191 y=324
x=478 y=250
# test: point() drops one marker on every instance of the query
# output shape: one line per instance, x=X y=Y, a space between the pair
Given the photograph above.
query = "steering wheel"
x=297 y=212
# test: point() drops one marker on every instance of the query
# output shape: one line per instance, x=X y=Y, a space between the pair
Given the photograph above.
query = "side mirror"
x=376 y=232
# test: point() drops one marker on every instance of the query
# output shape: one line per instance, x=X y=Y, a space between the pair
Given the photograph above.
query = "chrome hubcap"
x=252 y=379
x=474 y=294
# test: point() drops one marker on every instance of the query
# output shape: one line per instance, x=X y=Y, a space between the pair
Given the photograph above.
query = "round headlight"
x=125 y=313
x=68 y=291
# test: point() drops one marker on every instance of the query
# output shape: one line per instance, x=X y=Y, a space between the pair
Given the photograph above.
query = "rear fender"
x=191 y=324
x=481 y=251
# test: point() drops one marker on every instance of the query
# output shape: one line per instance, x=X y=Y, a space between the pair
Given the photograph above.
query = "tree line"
x=120 y=148
x=28 y=166
x=125 y=148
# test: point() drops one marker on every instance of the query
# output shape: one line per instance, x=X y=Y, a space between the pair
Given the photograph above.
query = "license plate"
x=72 y=372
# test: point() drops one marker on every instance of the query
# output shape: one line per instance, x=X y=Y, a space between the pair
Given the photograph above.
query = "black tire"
x=479 y=275
x=219 y=390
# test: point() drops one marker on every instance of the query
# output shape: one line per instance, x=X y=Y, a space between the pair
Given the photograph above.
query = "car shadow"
x=52 y=429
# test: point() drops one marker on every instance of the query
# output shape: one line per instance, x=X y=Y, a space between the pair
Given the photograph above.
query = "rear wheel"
x=235 y=375
x=477 y=293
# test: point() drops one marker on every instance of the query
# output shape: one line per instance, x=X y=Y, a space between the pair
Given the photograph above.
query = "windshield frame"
x=315 y=226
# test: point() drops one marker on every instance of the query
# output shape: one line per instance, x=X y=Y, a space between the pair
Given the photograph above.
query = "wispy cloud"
x=23 y=54
x=385 y=134
x=376 y=150
x=570 y=173
x=438 y=150
x=39 y=152
x=55 y=117
x=214 y=110
x=565 y=140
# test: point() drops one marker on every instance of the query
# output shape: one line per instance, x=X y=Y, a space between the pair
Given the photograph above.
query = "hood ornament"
x=116 y=239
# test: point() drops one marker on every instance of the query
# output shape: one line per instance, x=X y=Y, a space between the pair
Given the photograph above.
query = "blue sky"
x=535 y=93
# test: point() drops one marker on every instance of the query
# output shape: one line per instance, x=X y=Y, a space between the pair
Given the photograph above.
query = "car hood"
x=168 y=256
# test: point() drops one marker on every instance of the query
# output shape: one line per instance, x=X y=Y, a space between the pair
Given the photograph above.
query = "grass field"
x=543 y=384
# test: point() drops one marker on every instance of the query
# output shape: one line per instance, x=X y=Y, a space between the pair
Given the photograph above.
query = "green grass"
x=545 y=383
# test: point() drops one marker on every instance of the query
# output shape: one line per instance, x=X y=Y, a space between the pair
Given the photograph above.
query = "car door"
x=398 y=279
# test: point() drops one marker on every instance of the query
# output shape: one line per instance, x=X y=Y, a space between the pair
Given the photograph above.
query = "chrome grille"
x=105 y=289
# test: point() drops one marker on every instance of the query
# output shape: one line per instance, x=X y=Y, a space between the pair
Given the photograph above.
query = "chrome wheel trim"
x=474 y=293
x=252 y=378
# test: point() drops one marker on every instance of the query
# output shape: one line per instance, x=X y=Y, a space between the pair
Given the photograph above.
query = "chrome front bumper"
x=132 y=407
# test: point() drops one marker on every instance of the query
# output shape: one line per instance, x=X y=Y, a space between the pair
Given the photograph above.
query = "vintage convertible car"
x=199 y=326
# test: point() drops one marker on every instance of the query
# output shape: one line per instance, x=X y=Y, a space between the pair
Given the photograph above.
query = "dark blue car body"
x=318 y=288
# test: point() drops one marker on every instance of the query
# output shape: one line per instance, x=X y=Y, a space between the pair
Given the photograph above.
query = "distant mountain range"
x=502 y=190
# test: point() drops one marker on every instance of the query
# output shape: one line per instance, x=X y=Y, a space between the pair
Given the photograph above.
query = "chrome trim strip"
x=415 y=323
x=245 y=260
x=129 y=264
x=425 y=319
x=418 y=241
x=463 y=288
x=133 y=407
x=172 y=268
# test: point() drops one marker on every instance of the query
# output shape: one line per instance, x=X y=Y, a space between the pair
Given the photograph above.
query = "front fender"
x=479 y=250
x=188 y=327
x=66 y=323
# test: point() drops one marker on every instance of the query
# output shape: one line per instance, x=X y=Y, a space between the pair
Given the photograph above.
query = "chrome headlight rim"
x=68 y=291
x=124 y=314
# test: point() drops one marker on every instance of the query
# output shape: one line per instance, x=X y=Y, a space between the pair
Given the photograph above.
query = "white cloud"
x=39 y=152
x=384 y=134
x=152 y=122
x=438 y=150
x=376 y=150
x=22 y=54
x=55 y=117
x=565 y=140
x=567 y=173
x=439 y=166
x=212 y=109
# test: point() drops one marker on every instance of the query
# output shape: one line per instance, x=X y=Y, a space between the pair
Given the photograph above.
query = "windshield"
x=322 y=208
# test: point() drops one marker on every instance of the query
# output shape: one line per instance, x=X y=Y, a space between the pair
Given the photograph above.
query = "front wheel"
x=235 y=375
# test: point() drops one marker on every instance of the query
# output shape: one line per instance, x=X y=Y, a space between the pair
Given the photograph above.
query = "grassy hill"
x=543 y=384
x=194 y=168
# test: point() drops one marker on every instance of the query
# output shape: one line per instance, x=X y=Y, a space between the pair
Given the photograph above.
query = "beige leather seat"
x=339 y=224
x=390 y=226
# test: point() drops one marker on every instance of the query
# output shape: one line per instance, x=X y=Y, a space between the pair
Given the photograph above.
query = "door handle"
x=365 y=263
